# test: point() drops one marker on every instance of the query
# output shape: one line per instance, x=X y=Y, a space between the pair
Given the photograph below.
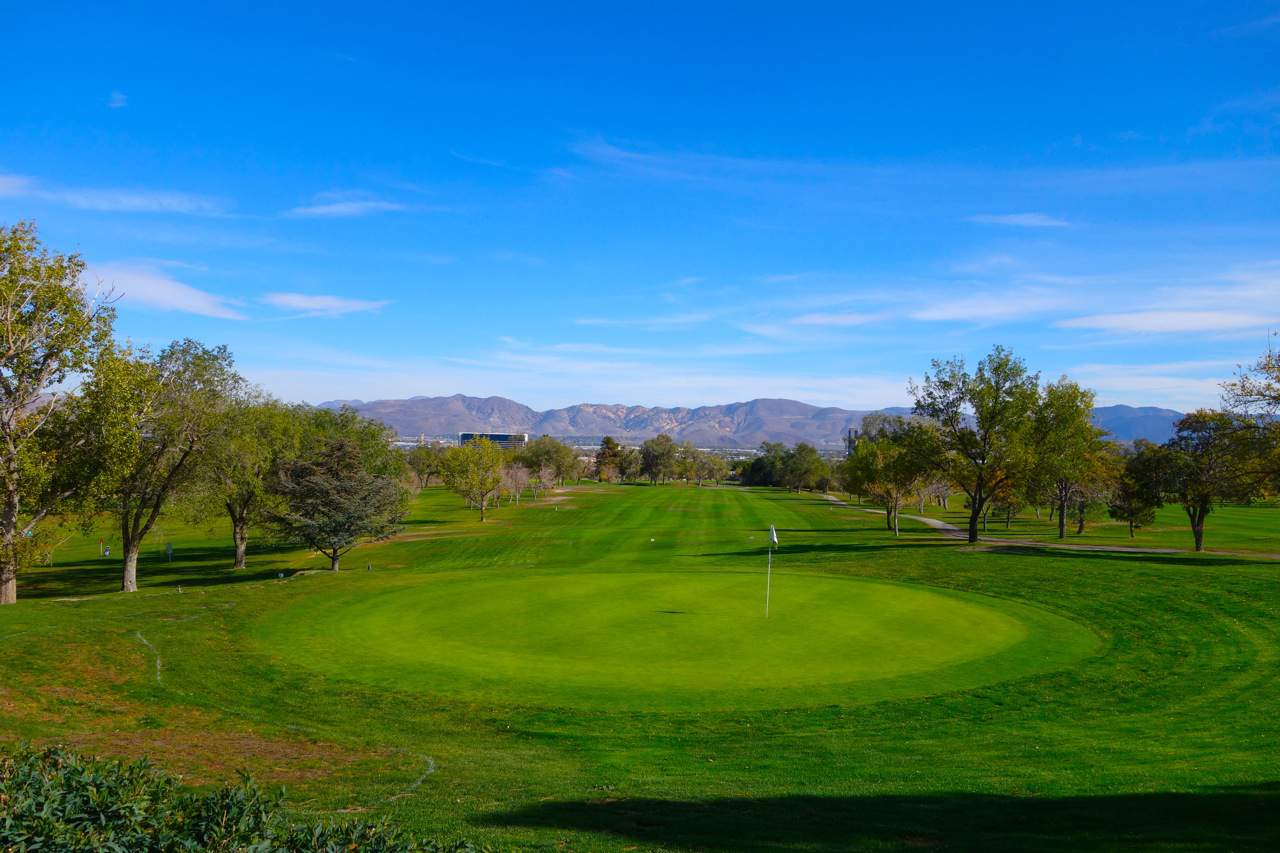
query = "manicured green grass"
x=1159 y=731
x=691 y=640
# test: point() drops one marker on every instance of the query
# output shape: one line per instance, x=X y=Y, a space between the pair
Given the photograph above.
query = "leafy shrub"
x=54 y=799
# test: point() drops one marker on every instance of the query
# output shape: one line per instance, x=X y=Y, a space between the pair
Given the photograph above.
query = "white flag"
x=773 y=535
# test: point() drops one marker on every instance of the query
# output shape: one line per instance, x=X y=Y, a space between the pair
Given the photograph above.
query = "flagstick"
x=768 y=583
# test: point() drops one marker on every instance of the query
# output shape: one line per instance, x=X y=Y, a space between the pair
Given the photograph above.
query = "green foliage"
x=1136 y=495
x=54 y=799
x=50 y=328
x=1210 y=459
x=658 y=458
x=609 y=459
x=984 y=423
x=546 y=454
x=426 y=461
x=335 y=498
x=889 y=464
x=474 y=471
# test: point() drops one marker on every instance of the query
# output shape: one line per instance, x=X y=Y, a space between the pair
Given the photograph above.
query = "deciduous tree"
x=474 y=471
x=167 y=410
x=50 y=328
x=1206 y=462
x=984 y=422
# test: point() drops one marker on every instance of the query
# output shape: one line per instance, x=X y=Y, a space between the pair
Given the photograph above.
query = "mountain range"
x=730 y=425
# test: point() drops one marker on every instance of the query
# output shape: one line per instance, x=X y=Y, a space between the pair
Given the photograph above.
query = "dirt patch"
x=88 y=713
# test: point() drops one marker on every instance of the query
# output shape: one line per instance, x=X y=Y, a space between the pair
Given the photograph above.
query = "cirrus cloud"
x=322 y=305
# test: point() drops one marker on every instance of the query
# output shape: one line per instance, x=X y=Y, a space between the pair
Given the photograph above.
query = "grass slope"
x=1165 y=736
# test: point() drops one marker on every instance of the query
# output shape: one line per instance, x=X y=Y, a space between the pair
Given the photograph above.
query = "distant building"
x=850 y=441
x=506 y=440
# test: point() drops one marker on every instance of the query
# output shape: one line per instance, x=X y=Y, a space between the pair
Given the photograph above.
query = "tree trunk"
x=1080 y=521
x=129 y=583
x=1131 y=528
x=895 y=522
x=9 y=559
x=333 y=561
x=8 y=585
x=1062 y=519
x=1197 y=516
x=240 y=536
x=975 y=513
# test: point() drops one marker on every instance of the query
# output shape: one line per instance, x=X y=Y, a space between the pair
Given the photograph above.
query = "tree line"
x=1009 y=443
x=92 y=427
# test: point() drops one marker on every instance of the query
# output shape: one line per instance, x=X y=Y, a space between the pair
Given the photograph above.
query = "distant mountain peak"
x=742 y=424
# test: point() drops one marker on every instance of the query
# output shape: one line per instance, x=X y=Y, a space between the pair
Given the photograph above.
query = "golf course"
x=594 y=670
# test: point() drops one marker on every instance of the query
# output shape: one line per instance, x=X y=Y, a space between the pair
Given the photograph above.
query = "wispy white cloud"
x=117 y=101
x=991 y=306
x=657 y=322
x=1254 y=27
x=836 y=319
x=106 y=199
x=1145 y=322
x=1020 y=220
x=343 y=206
x=146 y=285
x=322 y=305
x=1182 y=385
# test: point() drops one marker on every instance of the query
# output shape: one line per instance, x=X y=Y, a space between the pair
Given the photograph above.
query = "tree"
x=515 y=479
x=333 y=500
x=608 y=458
x=1136 y=495
x=256 y=437
x=1207 y=462
x=887 y=466
x=50 y=328
x=474 y=471
x=1254 y=396
x=168 y=409
x=1065 y=447
x=766 y=468
x=802 y=467
x=1256 y=389
x=658 y=458
x=547 y=452
x=983 y=422
x=629 y=464
x=426 y=461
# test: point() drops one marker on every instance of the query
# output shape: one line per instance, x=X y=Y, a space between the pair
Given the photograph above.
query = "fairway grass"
x=692 y=640
x=514 y=682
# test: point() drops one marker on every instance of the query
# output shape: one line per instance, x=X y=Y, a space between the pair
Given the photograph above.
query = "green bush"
x=53 y=799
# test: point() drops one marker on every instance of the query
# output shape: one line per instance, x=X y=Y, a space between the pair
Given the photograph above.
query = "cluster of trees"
x=142 y=430
x=797 y=468
x=482 y=473
x=1008 y=443
x=660 y=460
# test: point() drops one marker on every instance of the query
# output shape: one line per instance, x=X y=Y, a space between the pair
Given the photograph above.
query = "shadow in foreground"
x=1245 y=818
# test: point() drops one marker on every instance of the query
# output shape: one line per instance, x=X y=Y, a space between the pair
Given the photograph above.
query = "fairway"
x=593 y=671
x=669 y=640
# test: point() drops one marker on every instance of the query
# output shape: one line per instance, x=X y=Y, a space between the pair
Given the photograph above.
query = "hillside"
x=730 y=425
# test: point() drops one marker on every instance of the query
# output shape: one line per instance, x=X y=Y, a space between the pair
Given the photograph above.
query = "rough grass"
x=1166 y=736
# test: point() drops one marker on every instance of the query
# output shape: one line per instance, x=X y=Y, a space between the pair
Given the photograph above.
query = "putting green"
x=667 y=640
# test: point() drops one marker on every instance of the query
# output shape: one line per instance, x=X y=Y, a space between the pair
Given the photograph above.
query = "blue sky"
x=576 y=203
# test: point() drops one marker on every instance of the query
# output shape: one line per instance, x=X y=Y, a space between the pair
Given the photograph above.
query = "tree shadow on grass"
x=192 y=567
x=1183 y=559
x=1245 y=818
x=826 y=548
